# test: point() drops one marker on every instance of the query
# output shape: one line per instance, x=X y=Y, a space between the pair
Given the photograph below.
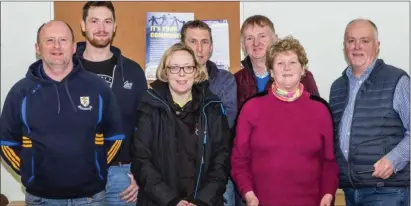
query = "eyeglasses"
x=177 y=69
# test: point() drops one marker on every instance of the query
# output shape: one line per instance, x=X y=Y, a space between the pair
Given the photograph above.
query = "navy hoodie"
x=60 y=136
x=129 y=85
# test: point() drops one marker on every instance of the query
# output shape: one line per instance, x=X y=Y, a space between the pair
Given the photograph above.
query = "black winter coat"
x=154 y=150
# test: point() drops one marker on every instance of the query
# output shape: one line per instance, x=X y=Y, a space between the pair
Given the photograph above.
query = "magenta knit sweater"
x=284 y=151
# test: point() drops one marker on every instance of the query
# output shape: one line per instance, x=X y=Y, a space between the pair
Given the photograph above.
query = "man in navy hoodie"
x=60 y=126
x=197 y=35
x=128 y=83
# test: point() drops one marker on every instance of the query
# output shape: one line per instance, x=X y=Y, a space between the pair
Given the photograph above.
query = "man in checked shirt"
x=370 y=106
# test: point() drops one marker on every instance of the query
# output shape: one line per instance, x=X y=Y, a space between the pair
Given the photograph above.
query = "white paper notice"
x=221 y=44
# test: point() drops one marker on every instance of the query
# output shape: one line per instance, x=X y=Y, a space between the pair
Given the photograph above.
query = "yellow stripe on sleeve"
x=12 y=157
x=99 y=139
x=27 y=143
x=12 y=154
x=112 y=147
x=113 y=150
x=99 y=142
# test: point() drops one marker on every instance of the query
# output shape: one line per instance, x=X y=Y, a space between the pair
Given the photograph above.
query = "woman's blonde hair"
x=201 y=73
x=287 y=44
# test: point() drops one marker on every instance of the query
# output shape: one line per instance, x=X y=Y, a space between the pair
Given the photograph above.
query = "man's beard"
x=99 y=43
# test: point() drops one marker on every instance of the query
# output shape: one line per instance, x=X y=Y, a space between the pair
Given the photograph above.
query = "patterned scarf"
x=287 y=96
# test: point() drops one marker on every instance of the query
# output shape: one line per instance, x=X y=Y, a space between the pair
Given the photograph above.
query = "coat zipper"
x=204 y=138
x=114 y=73
x=203 y=146
x=349 y=138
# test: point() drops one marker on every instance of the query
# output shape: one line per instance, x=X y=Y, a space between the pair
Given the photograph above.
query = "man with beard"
x=128 y=83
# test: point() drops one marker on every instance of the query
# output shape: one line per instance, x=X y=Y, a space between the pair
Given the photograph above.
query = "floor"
x=339 y=201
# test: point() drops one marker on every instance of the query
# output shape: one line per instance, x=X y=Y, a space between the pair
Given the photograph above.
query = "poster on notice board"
x=221 y=44
x=162 y=31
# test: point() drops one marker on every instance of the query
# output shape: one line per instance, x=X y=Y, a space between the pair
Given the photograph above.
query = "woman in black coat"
x=181 y=144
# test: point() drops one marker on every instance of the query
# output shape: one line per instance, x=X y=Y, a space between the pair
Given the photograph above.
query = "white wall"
x=19 y=24
x=320 y=28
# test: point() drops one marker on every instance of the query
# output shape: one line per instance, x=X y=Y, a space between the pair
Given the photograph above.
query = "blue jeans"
x=377 y=196
x=229 y=197
x=117 y=181
x=95 y=200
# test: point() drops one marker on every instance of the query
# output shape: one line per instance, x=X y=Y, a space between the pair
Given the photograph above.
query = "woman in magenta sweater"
x=283 y=152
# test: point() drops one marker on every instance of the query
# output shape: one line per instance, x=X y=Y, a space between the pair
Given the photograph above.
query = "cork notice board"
x=131 y=19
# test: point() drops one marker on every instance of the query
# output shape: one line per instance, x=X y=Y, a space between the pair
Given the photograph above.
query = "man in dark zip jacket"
x=197 y=35
x=60 y=126
x=258 y=33
x=128 y=83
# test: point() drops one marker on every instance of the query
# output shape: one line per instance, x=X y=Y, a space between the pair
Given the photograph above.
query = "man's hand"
x=130 y=194
x=191 y=204
x=183 y=203
x=251 y=199
x=383 y=168
x=326 y=200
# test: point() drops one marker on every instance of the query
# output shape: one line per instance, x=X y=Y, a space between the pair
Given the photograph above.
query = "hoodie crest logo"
x=128 y=85
x=85 y=103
